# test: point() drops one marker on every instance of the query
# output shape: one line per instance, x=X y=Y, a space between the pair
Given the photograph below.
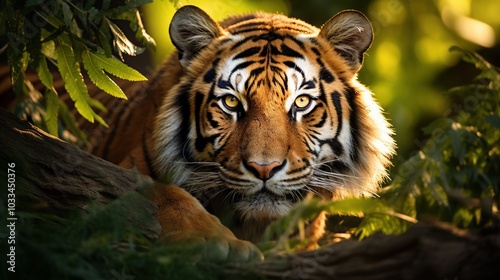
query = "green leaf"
x=67 y=14
x=117 y=68
x=44 y=74
x=52 y=20
x=94 y=103
x=18 y=63
x=73 y=79
x=104 y=36
x=100 y=120
x=98 y=77
x=51 y=113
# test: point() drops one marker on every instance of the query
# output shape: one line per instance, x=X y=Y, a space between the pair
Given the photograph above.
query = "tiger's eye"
x=302 y=101
x=231 y=102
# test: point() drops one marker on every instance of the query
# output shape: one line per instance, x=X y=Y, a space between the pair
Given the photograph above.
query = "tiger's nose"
x=264 y=171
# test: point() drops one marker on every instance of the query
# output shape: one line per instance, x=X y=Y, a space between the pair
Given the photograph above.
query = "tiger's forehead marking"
x=288 y=71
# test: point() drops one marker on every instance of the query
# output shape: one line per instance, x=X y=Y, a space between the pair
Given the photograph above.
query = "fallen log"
x=55 y=177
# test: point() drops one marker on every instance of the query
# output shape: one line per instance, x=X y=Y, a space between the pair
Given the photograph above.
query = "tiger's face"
x=269 y=110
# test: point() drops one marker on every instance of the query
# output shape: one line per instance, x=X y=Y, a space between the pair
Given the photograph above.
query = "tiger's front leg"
x=184 y=220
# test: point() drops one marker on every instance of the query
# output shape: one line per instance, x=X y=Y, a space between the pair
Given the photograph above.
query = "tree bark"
x=426 y=251
x=56 y=177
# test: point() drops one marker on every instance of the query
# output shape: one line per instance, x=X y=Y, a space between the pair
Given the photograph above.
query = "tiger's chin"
x=263 y=206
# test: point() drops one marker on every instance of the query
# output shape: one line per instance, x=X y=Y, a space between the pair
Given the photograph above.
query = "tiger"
x=248 y=117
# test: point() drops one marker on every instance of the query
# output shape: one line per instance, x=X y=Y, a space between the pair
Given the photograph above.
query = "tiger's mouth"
x=267 y=205
x=265 y=194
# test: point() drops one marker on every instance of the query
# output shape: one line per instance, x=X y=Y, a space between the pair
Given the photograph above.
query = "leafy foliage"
x=454 y=178
x=68 y=34
x=102 y=244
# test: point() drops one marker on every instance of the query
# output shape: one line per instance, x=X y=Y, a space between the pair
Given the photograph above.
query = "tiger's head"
x=268 y=109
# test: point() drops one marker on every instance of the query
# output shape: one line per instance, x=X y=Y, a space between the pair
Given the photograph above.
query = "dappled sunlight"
x=387 y=57
x=468 y=28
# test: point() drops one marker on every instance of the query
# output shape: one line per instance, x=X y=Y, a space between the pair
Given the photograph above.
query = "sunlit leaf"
x=94 y=103
x=73 y=79
x=51 y=113
x=44 y=73
x=91 y=63
x=100 y=120
x=117 y=68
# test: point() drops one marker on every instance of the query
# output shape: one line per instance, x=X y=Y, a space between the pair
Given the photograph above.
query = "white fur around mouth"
x=263 y=205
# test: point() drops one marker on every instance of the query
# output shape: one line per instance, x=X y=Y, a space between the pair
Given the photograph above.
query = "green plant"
x=69 y=35
x=454 y=177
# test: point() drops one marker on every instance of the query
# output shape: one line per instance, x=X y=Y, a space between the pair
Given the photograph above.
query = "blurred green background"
x=408 y=66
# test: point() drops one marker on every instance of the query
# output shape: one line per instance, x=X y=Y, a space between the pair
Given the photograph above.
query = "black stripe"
x=294 y=66
x=223 y=166
x=248 y=52
x=285 y=50
x=295 y=179
x=228 y=177
x=320 y=62
x=322 y=121
x=351 y=95
x=182 y=101
x=336 y=146
x=316 y=51
x=319 y=105
x=242 y=65
x=213 y=122
x=224 y=84
x=337 y=166
x=338 y=108
x=308 y=85
x=201 y=142
x=256 y=71
x=239 y=43
x=147 y=157
x=326 y=75
x=254 y=23
x=210 y=75
x=297 y=170
x=296 y=41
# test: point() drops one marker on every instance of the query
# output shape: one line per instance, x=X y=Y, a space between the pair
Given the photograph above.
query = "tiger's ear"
x=191 y=30
x=351 y=34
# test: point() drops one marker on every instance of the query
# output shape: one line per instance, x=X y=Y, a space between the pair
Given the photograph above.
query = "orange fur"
x=178 y=129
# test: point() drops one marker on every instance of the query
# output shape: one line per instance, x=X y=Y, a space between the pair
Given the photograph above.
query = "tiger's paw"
x=185 y=221
x=219 y=248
